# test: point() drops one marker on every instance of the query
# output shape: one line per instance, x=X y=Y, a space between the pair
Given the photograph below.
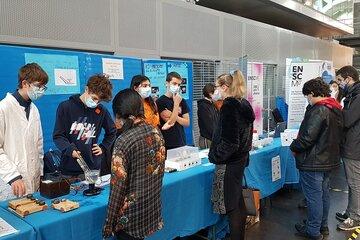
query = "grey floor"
x=278 y=220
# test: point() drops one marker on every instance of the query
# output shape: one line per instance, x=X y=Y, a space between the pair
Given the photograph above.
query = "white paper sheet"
x=6 y=228
x=113 y=67
x=276 y=168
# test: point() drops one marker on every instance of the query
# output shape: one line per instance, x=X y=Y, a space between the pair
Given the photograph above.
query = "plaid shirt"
x=137 y=170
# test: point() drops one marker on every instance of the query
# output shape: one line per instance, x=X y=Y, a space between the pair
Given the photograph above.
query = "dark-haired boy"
x=348 y=77
x=317 y=152
x=174 y=113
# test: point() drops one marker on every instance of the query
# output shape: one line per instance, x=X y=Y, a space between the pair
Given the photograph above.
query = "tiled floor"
x=277 y=221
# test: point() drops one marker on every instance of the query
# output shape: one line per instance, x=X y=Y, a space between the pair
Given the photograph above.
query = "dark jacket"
x=78 y=127
x=232 y=139
x=208 y=117
x=351 y=112
x=317 y=147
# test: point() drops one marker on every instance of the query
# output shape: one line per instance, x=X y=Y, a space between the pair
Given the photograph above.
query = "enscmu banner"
x=255 y=92
x=299 y=73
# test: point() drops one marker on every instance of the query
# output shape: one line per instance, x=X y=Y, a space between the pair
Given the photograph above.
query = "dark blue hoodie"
x=78 y=127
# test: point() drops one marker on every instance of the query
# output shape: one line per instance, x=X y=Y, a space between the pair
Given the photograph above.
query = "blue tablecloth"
x=25 y=231
x=259 y=172
x=292 y=173
x=186 y=209
x=186 y=202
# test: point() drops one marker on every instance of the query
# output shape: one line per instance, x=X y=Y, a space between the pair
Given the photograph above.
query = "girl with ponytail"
x=230 y=149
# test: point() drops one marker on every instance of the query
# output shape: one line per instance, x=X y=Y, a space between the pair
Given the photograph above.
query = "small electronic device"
x=54 y=185
x=182 y=158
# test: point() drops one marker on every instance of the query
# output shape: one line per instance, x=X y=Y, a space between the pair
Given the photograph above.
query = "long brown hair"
x=235 y=82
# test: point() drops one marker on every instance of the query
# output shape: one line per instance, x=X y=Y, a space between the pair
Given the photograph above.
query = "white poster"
x=255 y=93
x=276 y=168
x=65 y=77
x=299 y=73
x=113 y=68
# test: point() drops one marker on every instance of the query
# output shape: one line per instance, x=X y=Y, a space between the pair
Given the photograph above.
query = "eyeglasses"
x=41 y=88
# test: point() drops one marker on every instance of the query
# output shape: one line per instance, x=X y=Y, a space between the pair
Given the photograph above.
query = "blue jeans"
x=316 y=186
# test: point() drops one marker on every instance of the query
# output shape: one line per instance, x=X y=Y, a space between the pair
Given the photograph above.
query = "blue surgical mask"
x=145 y=92
x=90 y=103
x=174 y=89
x=343 y=85
x=35 y=92
x=216 y=96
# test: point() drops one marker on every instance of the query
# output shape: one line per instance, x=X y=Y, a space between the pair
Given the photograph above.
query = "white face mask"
x=174 y=89
x=35 y=92
x=145 y=92
x=216 y=96
x=333 y=92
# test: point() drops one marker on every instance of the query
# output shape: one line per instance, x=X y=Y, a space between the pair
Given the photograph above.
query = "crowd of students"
x=135 y=140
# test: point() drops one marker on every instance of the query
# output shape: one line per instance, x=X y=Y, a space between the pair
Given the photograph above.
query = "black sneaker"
x=323 y=230
x=302 y=232
x=349 y=225
x=341 y=216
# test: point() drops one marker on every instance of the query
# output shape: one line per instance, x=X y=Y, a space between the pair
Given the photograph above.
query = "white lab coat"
x=21 y=146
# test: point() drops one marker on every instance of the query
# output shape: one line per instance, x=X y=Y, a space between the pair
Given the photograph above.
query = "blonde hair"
x=235 y=83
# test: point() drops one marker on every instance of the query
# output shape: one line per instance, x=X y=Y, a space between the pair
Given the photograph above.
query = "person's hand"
x=18 y=188
x=177 y=99
x=167 y=125
x=97 y=151
x=167 y=113
x=76 y=154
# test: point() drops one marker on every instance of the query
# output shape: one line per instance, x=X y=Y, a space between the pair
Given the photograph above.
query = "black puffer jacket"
x=232 y=138
x=208 y=117
x=351 y=112
x=317 y=147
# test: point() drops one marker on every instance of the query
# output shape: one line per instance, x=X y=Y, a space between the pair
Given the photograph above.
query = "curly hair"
x=100 y=85
x=317 y=87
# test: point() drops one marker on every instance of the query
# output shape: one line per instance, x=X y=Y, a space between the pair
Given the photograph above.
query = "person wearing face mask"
x=134 y=208
x=21 y=140
x=230 y=149
x=174 y=113
x=336 y=91
x=317 y=153
x=207 y=115
x=141 y=84
x=78 y=125
x=348 y=77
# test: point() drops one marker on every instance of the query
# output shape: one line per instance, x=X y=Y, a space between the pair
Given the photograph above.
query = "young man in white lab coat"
x=21 y=141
